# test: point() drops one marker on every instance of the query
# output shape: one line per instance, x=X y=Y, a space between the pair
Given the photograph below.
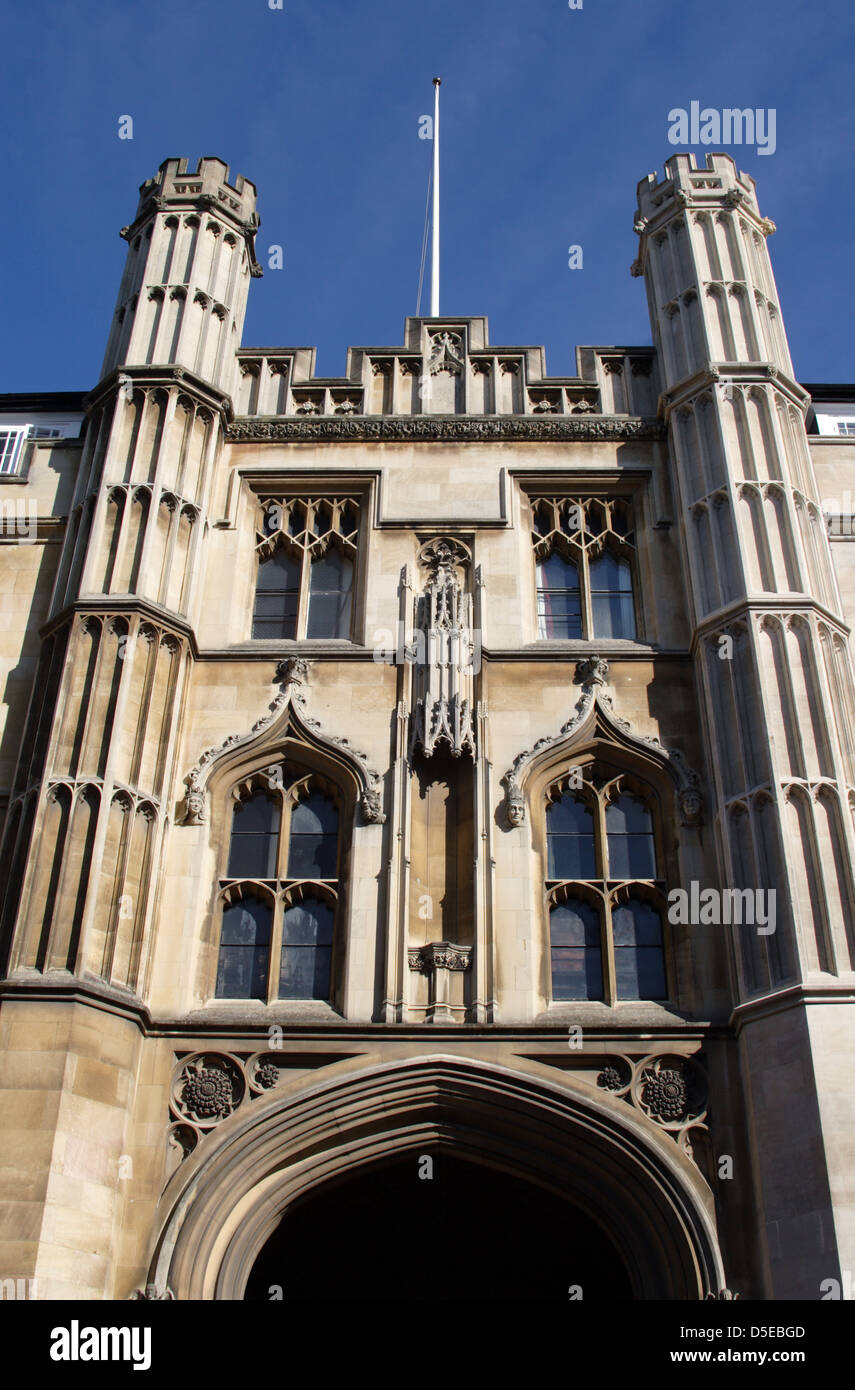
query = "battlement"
x=717 y=180
x=207 y=185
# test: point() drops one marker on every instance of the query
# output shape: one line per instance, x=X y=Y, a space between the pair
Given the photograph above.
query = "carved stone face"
x=516 y=808
x=690 y=805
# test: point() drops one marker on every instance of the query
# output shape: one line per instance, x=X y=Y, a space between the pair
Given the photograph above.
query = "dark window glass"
x=304 y=971
x=629 y=831
x=276 y=597
x=577 y=966
x=559 y=602
x=570 y=839
x=244 y=948
x=255 y=835
x=314 y=839
x=639 y=957
x=611 y=597
x=329 y=596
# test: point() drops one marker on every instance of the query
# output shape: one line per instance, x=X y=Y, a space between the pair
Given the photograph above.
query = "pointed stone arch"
x=223 y=1203
x=286 y=727
x=595 y=721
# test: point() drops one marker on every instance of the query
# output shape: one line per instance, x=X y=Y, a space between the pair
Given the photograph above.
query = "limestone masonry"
x=357 y=733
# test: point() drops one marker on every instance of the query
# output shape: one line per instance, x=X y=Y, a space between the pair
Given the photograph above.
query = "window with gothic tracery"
x=605 y=899
x=584 y=551
x=280 y=890
x=306 y=548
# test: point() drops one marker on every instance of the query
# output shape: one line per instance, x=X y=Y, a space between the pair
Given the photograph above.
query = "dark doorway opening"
x=467 y=1232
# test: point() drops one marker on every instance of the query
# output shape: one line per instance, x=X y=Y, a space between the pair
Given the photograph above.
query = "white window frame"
x=11 y=449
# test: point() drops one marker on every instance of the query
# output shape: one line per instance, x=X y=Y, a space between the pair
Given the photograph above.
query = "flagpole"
x=434 y=265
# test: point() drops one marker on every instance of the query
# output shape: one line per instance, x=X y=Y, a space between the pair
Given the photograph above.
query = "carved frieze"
x=462 y=428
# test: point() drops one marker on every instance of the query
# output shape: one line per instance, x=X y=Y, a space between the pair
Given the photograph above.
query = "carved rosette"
x=208 y=1088
x=616 y=1076
x=670 y=1089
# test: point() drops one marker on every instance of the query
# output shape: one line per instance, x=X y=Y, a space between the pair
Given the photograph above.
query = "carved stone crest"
x=446 y=353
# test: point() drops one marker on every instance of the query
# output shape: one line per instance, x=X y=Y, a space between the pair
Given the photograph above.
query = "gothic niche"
x=444 y=378
x=442 y=747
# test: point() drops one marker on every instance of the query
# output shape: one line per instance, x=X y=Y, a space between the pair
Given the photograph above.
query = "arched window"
x=584 y=549
x=255 y=838
x=284 y=842
x=307 y=933
x=313 y=842
x=639 y=962
x=329 y=596
x=570 y=839
x=307 y=548
x=277 y=597
x=577 y=954
x=244 y=950
x=612 y=610
x=605 y=942
x=559 y=599
x=629 y=830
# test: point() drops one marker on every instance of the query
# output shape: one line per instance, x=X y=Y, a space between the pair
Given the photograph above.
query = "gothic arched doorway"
x=591 y=1159
x=459 y=1230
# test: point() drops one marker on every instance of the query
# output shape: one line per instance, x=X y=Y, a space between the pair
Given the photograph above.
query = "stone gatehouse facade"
x=358 y=735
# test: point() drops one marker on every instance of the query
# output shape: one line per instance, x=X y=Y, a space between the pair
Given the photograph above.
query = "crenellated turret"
x=770 y=644
x=191 y=255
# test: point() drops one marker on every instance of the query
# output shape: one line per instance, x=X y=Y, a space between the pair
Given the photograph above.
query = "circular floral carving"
x=267 y=1075
x=208 y=1094
x=208 y=1088
x=610 y=1079
x=666 y=1094
x=615 y=1075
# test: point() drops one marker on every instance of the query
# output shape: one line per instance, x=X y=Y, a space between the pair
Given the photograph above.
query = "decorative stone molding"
x=207 y=1088
x=592 y=674
x=446 y=353
x=292 y=674
x=439 y=955
x=671 y=1090
x=444 y=553
x=443 y=674
x=461 y=428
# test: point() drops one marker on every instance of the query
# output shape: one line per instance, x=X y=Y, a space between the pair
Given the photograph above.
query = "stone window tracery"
x=603 y=895
x=280 y=892
x=306 y=549
x=584 y=552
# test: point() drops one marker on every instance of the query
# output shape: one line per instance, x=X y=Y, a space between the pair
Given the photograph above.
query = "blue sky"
x=550 y=117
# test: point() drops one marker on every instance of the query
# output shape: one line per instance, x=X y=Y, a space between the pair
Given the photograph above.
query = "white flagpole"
x=434 y=265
